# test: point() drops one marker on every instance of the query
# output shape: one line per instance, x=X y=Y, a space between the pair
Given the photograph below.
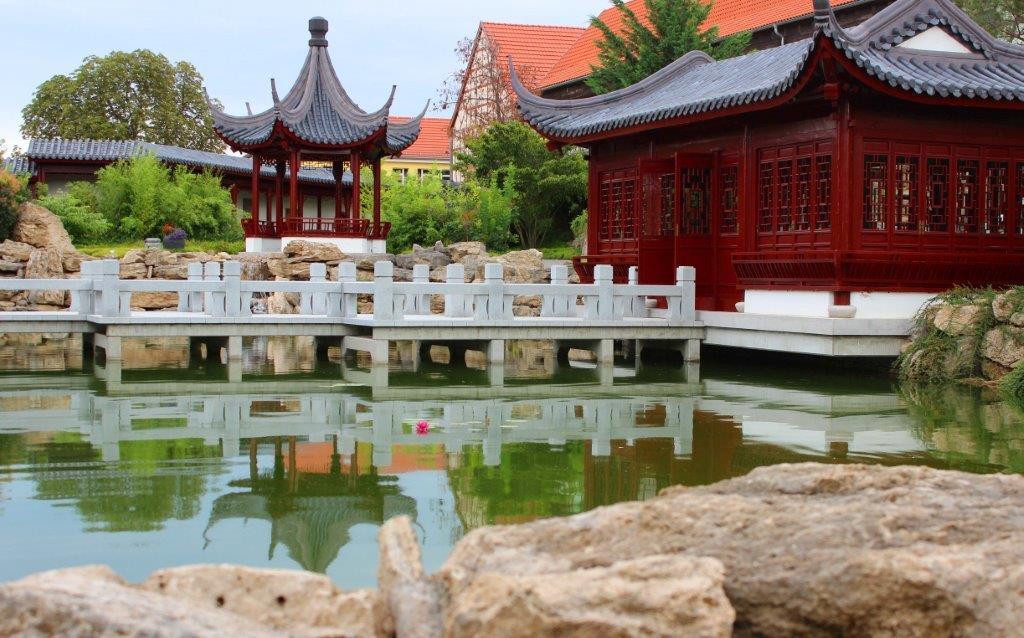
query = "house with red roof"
x=431 y=152
x=555 y=61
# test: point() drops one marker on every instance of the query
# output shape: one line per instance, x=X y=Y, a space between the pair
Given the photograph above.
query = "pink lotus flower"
x=422 y=428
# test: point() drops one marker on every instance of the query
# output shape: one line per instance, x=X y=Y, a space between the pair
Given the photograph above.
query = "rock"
x=956 y=320
x=460 y=250
x=277 y=265
x=73 y=261
x=300 y=250
x=46 y=263
x=92 y=602
x=38 y=227
x=994 y=371
x=299 y=270
x=10 y=266
x=432 y=258
x=1004 y=345
x=173 y=271
x=413 y=600
x=665 y=596
x=135 y=270
x=1017 y=319
x=134 y=257
x=279 y=304
x=299 y=603
x=159 y=257
x=809 y=550
x=154 y=300
x=16 y=250
x=1006 y=304
x=521 y=267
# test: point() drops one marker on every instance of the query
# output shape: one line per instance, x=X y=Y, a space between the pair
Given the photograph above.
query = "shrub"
x=1012 y=386
x=13 y=192
x=77 y=211
x=139 y=196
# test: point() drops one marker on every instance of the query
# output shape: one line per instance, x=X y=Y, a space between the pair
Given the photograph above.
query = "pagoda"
x=316 y=124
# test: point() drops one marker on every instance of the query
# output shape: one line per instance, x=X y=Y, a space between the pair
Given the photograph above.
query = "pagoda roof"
x=317 y=113
x=968 y=64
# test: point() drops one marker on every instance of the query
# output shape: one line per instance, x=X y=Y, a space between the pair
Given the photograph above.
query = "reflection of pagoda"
x=311 y=513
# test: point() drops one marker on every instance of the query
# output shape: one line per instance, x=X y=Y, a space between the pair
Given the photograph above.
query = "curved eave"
x=281 y=138
x=402 y=136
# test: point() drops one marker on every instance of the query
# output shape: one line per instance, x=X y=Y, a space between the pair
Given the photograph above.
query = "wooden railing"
x=213 y=290
x=316 y=227
x=584 y=266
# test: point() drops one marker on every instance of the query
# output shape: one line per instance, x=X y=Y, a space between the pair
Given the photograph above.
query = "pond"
x=169 y=460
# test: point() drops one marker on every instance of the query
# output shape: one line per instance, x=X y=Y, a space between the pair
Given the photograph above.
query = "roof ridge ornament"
x=274 y=95
x=317 y=31
x=822 y=13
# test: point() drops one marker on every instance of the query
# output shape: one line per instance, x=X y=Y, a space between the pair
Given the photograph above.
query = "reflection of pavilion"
x=311 y=513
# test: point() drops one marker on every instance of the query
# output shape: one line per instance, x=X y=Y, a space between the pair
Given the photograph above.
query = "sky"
x=238 y=46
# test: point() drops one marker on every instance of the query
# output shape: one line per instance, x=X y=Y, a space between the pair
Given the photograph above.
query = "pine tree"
x=640 y=50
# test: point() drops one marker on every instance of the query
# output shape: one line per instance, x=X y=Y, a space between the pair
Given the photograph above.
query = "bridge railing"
x=217 y=290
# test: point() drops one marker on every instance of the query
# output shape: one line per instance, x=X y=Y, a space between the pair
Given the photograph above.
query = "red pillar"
x=357 y=165
x=255 y=207
x=338 y=168
x=376 y=192
x=279 y=192
x=293 y=192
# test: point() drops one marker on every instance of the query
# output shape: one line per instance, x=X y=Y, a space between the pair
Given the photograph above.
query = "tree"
x=549 y=189
x=1002 y=18
x=672 y=29
x=132 y=96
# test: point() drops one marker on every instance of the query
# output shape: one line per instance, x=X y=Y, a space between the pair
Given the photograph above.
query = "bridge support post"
x=111 y=346
x=604 y=350
x=690 y=350
x=377 y=348
x=234 y=347
x=496 y=351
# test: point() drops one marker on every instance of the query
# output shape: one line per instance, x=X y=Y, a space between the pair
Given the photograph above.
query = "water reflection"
x=289 y=462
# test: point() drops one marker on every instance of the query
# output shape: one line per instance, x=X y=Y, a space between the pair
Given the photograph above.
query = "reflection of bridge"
x=487 y=416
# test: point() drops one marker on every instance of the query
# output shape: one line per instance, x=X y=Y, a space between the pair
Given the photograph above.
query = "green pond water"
x=171 y=460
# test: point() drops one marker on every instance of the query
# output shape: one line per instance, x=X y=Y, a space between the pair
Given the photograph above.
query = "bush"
x=139 y=196
x=13 y=193
x=77 y=211
x=1012 y=386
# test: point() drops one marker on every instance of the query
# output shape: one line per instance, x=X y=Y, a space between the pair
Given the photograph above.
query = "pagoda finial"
x=318 y=32
x=822 y=12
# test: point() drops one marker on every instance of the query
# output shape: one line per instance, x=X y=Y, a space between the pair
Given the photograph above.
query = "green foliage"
x=1011 y=387
x=673 y=29
x=547 y=189
x=1002 y=18
x=579 y=226
x=139 y=95
x=77 y=209
x=105 y=249
x=13 y=192
x=140 y=195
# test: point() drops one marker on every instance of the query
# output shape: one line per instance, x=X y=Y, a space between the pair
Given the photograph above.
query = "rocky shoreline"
x=789 y=550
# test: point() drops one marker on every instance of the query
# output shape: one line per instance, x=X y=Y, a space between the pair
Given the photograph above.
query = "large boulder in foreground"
x=93 y=602
x=808 y=550
x=38 y=227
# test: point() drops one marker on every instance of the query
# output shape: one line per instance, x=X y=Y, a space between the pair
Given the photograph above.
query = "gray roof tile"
x=113 y=150
x=695 y=84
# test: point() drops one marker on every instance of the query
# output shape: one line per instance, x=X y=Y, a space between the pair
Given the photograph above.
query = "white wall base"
x=863 y=305
x=350 y=245
x=262 y=245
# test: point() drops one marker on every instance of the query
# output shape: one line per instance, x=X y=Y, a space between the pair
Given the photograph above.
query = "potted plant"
x=175 y=239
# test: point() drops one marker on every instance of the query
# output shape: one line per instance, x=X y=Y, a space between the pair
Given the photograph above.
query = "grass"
x=192 y=246
x=560 y=252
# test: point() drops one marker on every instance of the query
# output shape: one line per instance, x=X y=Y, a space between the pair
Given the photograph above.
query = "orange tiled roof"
x=730 y=16
x=535 y=49
x=433 y=142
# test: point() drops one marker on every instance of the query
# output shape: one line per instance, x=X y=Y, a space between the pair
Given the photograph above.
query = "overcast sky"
x=239 y=45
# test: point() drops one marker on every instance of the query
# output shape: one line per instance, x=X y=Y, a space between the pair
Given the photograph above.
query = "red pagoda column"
x=279 y=192
x=376 y=192
x=357 y=165
x=293 y=191
x=255 y=207
x=338 y=169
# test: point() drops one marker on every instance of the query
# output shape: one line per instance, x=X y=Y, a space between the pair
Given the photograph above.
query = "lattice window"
x=876 y=193
x=605 y=210
x=615 y=218
x=802 y=221
x=937 y=196
x=765 y=197
x=1020 y=198
x=823 y=201
x=967 y=187
x=696 y=211
x=785 y=205
x=729 y=222
x=628 y=209
x=997 y=197
x=668 y=204
x=906 y=192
